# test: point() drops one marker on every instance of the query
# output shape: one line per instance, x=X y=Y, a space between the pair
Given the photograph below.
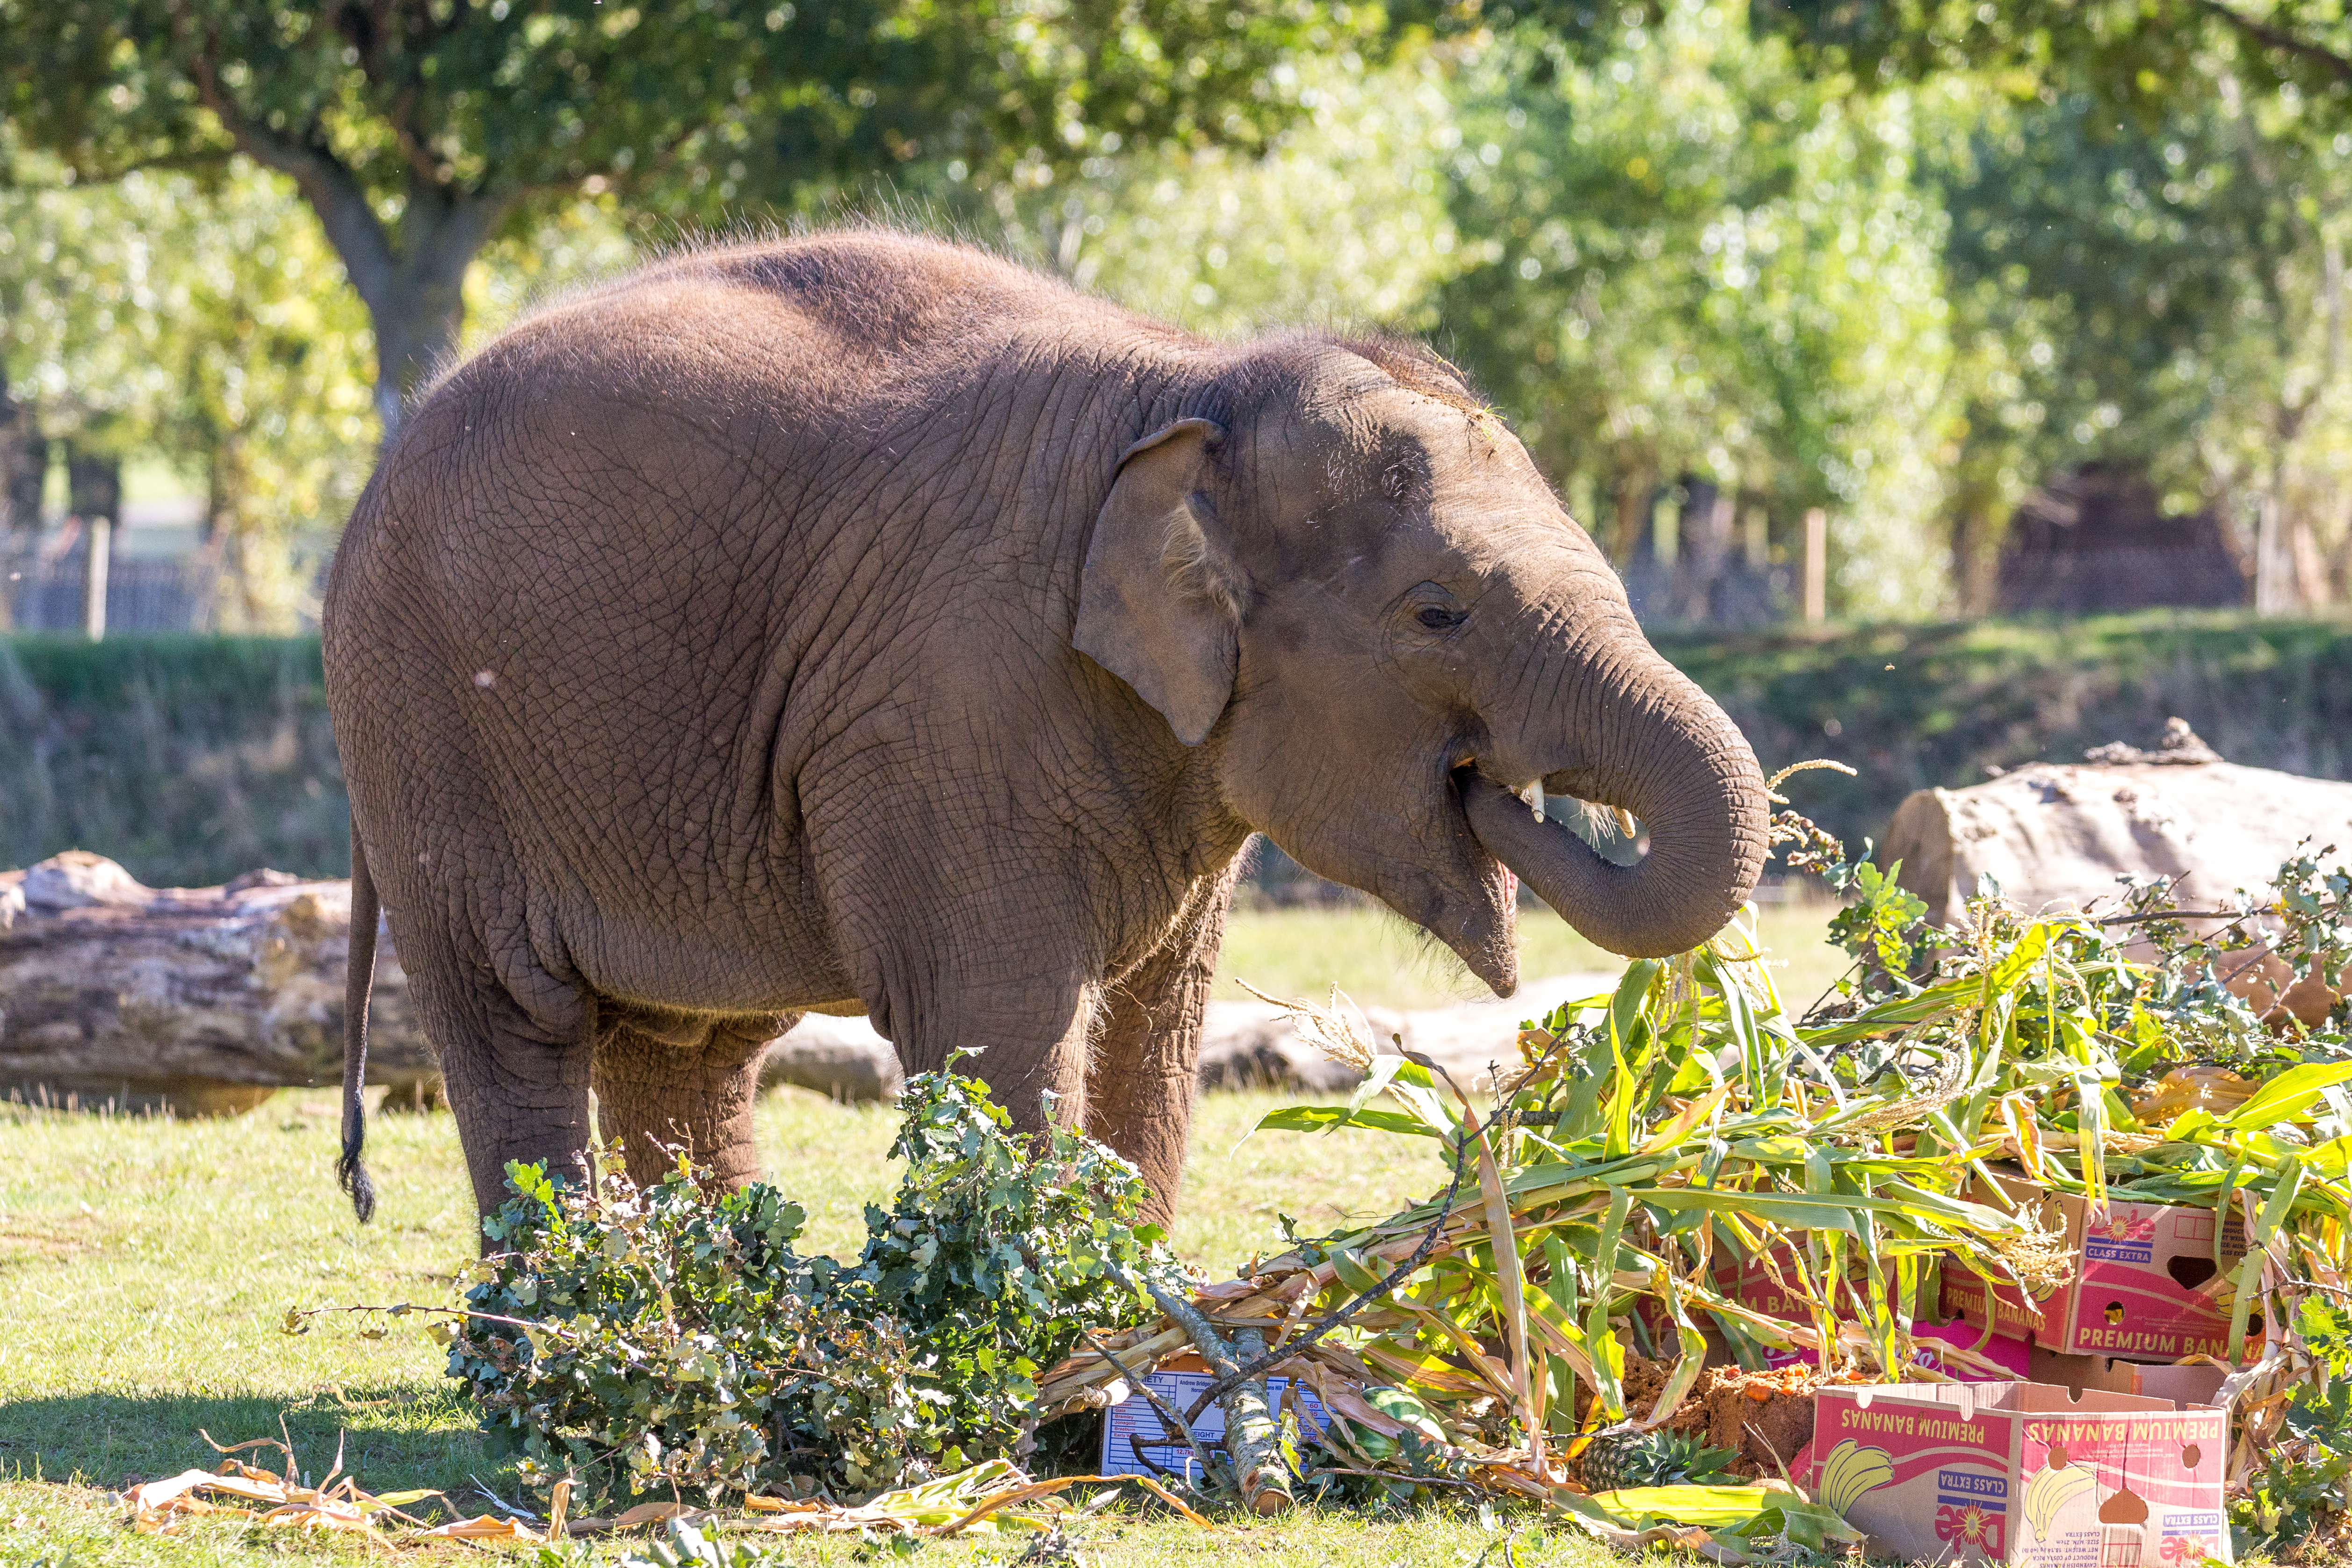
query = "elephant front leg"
x=1146 y=1054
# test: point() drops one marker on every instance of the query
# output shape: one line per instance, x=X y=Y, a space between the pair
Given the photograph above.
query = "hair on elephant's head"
x=1348 y=578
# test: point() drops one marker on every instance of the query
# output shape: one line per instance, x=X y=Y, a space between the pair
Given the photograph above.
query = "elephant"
x=863 y=622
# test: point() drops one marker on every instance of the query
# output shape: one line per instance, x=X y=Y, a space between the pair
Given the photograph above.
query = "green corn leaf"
x=2276 y=1207
x=1384 y=1068
x=1629 y=1005
x=1324 y=1118
x=2288 y=1096
x=2249 y=1276
x=1601 y=1342
x=1619 y=1139
x=2014 y=967
x=1699 y=1505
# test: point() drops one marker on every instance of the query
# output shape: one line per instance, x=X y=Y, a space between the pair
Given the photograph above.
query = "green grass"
x=147 y=1264
x=1380 y=961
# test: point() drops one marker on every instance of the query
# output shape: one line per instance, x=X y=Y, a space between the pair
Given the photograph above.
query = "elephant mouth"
x=1662 y=903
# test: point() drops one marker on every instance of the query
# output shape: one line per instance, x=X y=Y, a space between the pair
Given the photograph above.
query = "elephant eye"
x=1439 y=619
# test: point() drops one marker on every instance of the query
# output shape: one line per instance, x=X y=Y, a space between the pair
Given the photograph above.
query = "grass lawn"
x=1382 y=961
x=146 y=1266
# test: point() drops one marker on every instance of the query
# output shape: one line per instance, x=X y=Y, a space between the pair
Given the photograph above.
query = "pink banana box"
x=2022 y=1473
x=1750 y=1283
x=2145 y=1281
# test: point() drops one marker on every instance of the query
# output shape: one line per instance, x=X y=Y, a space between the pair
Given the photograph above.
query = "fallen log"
x=208 y=1000
x=204 y=1000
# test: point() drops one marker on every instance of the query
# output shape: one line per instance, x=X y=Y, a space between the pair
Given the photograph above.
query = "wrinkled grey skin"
x=860 y=622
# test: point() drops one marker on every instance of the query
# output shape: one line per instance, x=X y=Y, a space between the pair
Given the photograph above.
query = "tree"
x=1341 y=221
x=2148 y=228
x=201 y=322
x=2144 y=56
x=418 y=129
x=1690 y=260
x=2162 y=296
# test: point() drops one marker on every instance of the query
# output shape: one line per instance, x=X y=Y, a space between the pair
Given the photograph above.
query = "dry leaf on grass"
x=487 y=1527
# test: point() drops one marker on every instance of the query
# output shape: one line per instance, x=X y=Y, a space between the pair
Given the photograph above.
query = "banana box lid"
x=2022 y=1473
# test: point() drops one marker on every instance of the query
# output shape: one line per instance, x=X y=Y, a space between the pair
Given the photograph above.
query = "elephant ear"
x=1161 y=600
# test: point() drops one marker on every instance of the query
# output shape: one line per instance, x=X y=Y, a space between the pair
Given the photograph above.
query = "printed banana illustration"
x=1852 y=1470
x=2047 y=1495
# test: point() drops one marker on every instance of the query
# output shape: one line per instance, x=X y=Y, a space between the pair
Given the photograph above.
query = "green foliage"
x=1881 y=915
x=1685 y=257
x=647 y=1341
x=2305 y=1480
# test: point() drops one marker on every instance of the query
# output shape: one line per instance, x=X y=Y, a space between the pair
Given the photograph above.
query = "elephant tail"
x=357 y=984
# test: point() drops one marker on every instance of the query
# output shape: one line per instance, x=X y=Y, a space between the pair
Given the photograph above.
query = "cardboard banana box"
x=2022 y=1473
x=1764 y=1285
x=2146 y=1286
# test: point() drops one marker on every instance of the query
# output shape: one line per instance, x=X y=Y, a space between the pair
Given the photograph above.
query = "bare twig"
x=1254 y=1436
x=1249 y=1425
x=1174 y=1425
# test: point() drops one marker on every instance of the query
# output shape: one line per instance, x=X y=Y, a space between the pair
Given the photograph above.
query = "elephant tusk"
x=1534 y=796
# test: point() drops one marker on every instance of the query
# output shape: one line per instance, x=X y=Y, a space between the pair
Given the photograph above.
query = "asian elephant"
x=860 y=622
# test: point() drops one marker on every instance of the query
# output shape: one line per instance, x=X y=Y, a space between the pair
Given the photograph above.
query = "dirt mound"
x=1763 y=1416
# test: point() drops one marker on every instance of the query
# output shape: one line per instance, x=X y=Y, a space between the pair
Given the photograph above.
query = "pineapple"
x=1623 y=1456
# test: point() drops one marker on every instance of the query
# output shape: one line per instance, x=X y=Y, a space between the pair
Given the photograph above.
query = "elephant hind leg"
x=682 y=1084
x=516 y=1078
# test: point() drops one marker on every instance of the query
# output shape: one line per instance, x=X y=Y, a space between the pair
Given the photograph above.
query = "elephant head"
x=1344 y=583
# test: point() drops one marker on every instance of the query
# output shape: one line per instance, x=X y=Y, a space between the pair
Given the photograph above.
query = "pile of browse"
x=2055 y=1149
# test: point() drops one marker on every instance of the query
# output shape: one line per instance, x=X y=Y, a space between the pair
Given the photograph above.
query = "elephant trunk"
x=1674 y=758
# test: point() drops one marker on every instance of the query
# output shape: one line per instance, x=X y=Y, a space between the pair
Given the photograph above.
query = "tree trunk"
x=24 y=469
x=418 y=307
x=24 y=463
x=410 y=276
x=2311 y=584
x=1636 y=489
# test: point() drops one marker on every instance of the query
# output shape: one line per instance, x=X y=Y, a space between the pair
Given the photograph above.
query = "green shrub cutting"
x=656 y=1342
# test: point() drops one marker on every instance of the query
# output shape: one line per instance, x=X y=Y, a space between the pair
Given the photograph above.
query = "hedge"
x=192 y=758
x=187 y=758
x=1912 y=708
